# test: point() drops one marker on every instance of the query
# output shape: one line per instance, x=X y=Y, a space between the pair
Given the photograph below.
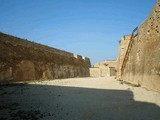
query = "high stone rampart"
x=142 y=63
x=23 y=60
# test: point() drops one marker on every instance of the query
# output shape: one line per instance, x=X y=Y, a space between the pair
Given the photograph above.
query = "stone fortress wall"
x=104 y=69
x=22 y=60
x=138 y=59
x=142 y=58
x=123 y=45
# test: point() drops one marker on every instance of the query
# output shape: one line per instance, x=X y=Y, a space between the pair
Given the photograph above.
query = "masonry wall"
x=104 y=69
x=123 y=45
x=143 y=65
x=95 y=72
x=107 y=63
x=22 y=60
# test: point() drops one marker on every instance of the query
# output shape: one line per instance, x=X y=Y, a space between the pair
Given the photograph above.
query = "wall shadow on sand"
x=45 y=102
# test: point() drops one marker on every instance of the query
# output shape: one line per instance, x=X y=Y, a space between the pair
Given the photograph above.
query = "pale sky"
x=90 y=28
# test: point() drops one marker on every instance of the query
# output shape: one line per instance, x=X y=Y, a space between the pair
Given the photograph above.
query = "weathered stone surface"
x=104 y=69
x=123 y=45
x=108 y=63
x=143 y=64
x=22 y=60
x=95 y=72
x=6 y=75
x=24 y=70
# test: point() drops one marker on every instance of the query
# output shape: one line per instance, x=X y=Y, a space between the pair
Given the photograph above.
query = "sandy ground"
x=78 y=99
